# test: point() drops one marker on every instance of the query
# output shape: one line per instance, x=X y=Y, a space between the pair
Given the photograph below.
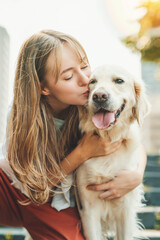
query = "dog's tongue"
x=103 y=119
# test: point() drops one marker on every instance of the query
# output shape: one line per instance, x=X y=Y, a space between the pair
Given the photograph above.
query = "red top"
x=42 y=221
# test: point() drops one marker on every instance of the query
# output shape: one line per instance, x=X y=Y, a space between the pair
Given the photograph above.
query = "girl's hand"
x=94 y=146
x=90 y=146
x=123 y=183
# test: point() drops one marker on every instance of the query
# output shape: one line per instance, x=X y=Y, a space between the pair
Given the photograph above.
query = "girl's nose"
x=84 y=79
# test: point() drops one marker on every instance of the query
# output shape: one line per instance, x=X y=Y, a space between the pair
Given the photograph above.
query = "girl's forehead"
x=70 y=49
x=69 y=54
x=63 y=55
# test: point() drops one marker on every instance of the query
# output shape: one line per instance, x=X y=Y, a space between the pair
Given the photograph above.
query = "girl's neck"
x=61 y=114
x=59 y=110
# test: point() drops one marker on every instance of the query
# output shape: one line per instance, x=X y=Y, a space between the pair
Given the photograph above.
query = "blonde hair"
x=33 y=150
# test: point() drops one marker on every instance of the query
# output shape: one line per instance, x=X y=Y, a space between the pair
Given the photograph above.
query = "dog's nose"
x=100 y=96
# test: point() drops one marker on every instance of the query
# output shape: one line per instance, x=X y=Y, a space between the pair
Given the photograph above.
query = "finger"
x=111 y=150
x=113 y=146
x=109 y=195
x=112 y=197
x=88 y=134
x=117 y=144
x=106 y=195
x=98 y=187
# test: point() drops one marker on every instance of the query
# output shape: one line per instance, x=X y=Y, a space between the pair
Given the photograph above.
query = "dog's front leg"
x=126 y=226
x=91 y=221
x=90 y=209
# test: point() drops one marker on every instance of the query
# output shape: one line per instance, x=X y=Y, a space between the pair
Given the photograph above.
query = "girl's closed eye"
x=68 y=78
x=85 y=66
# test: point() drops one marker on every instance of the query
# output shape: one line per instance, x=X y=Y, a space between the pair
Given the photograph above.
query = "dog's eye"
x=119 y=80
x=92 y=81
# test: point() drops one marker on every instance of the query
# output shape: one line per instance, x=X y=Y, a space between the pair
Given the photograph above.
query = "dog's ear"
x=142 y=106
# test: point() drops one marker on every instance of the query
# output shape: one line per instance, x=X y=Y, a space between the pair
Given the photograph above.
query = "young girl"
x=44 y=145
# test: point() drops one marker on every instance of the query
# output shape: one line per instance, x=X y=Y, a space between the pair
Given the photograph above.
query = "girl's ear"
x=45 y=91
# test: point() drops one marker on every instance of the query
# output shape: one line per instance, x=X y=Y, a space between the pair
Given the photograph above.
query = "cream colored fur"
x=100 y=217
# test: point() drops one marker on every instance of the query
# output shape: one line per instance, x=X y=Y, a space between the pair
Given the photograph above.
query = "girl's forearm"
x=76 y=157
x=72 y=161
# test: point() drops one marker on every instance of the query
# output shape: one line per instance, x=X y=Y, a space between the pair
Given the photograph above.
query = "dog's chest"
x=100 y=169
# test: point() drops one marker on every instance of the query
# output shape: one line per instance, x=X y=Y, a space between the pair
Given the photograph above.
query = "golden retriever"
x=117 y=106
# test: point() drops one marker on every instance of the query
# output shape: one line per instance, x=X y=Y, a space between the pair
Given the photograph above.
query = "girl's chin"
x=80 y=102
x=84 y=102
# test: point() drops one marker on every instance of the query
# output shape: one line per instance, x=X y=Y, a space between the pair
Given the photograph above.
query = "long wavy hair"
x=34 y=153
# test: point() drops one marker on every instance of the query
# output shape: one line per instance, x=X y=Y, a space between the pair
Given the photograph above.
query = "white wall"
x=87 y=20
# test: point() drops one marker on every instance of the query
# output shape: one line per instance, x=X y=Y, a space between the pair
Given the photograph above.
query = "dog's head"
x=115 y=97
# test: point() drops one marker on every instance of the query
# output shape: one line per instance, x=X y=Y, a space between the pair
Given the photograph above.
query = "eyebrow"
x=66 y=70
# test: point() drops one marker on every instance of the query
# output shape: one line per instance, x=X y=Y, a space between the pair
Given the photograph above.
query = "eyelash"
x=69 y=78
x=72 y=75
x=84 y=67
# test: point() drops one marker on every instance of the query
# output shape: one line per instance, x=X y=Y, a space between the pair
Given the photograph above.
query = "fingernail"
x=101 y=196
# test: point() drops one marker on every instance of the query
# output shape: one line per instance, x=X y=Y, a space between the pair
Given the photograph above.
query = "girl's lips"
x=86 y=94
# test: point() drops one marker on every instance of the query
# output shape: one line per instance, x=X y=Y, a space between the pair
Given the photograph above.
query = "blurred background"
x=121 y=32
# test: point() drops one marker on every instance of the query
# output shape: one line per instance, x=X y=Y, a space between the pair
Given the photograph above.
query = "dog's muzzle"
x=103 y=117
x=100 y=97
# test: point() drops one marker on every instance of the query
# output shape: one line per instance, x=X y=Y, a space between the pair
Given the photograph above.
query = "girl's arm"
x=124 y=182
x=89 y=146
